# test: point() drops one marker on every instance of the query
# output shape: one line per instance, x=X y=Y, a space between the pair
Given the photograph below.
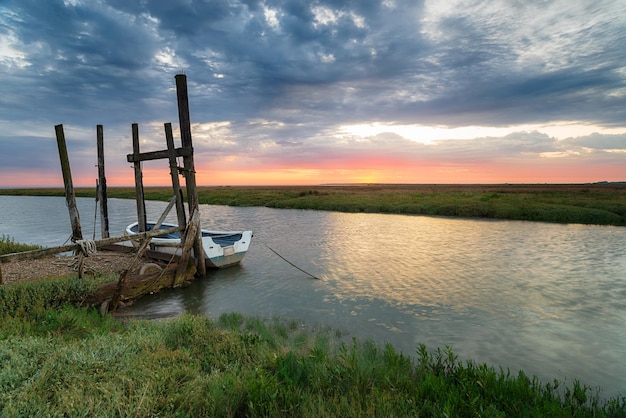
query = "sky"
x=291 y=92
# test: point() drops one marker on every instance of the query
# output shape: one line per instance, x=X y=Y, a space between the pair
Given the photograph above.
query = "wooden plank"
x=166 y=212
x=157 y=155
x=28 y=255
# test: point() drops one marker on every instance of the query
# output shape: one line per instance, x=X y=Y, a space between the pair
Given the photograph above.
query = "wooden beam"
x=158 y=155
x=29 y=255
x=166 y=212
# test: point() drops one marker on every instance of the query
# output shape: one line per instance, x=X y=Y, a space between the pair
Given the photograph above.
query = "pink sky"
x=461 y=162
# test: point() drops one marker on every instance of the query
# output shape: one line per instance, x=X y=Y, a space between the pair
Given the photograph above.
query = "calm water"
x=547 y=299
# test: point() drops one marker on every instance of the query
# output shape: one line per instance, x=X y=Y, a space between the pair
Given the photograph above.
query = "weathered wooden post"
x=102 y=184
x=70 y=197
x=141 y=203
x=191 y=231
x=171 y=153
x=189 y=169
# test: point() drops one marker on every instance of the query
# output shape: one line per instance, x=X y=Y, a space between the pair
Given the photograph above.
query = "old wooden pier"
x=180 y=269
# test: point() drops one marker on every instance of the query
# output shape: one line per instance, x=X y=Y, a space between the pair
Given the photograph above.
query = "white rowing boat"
x=221 y=248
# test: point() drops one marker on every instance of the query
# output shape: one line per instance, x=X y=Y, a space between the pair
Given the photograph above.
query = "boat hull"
x=221 y=248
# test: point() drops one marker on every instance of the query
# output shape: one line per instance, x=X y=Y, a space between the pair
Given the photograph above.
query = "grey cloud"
x=249 y=68
x=600 y=142
x=22 y=152
x=113 y=61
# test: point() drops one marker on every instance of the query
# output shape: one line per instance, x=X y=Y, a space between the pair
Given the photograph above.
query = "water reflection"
x=544 y=298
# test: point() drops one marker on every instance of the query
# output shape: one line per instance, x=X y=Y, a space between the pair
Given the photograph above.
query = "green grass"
x=57 y=359
x=9 y=246
x=601 y=204
x=38 y=296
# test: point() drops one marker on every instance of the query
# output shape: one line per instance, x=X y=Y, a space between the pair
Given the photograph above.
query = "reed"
x=70 y=361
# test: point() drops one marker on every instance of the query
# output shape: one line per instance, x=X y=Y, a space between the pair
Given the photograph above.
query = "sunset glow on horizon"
x=419 y=166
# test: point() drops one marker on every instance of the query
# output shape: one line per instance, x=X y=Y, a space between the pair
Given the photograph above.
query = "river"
x=548 y=299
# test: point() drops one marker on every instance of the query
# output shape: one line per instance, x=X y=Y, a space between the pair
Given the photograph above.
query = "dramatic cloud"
x=287 y=92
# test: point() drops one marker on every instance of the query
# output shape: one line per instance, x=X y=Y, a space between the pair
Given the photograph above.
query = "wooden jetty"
x=134 y=283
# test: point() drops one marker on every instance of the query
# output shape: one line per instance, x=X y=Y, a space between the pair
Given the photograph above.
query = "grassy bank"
x=59 y=360
x=600 y=204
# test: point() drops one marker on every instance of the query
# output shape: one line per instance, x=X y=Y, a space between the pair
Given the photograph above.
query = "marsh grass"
x=601 y=204
x=61 y=360
x=9 y=246
x=30 y=306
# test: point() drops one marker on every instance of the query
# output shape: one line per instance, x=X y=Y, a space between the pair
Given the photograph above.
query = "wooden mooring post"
x=70 y=197
x=141 y=203
x=102 y=184
x=189 y=169
x=178 y=193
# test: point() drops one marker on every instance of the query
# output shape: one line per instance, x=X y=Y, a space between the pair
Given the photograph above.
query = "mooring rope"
x=67 y=240
x=87 y=246
x=287 y=261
